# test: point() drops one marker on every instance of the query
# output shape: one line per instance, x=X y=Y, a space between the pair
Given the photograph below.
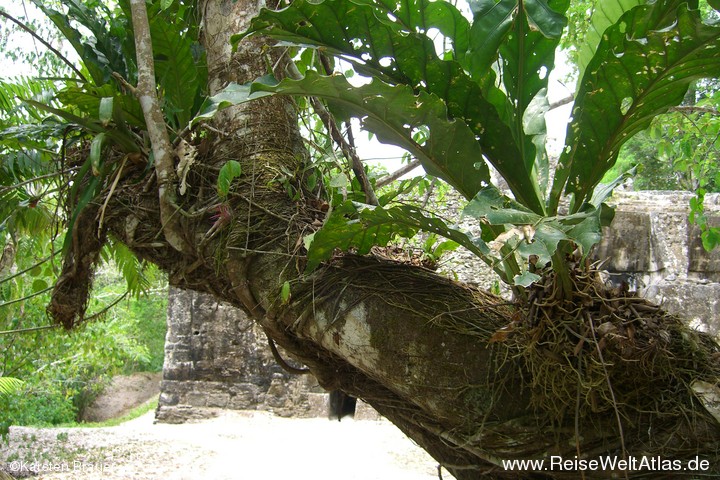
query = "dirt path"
x=235 y=445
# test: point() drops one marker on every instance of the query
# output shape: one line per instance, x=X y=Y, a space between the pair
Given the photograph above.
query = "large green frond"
x=392 y=113
x=604 y=15
x=643 y=66
x=360 y=227
x=9 y=385
x=387 y=50
x=181 y=76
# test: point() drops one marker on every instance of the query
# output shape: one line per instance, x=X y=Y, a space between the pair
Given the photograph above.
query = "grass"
x=114 y=422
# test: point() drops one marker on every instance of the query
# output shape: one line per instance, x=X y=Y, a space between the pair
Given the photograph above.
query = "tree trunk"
x=421 y=349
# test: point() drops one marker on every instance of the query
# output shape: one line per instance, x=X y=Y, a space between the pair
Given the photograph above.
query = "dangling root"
x=70 y=294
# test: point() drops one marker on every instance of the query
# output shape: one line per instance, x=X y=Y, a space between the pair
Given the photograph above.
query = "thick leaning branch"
x=416 y=346
x=162 y=149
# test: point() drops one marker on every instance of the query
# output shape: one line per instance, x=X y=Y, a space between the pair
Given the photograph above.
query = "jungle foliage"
x=482 y=99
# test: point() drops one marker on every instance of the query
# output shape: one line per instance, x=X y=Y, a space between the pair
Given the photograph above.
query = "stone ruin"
x=216 y=358
x=652 y=246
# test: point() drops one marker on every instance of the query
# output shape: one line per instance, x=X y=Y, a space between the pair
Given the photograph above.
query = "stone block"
x=217 y=399
x=182 y=413
x=628 y=245
x=698 y=303
x=701 y=263
x=196 y=398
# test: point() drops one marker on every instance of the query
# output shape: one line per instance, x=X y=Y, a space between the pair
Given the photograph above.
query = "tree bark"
x=157 y=131
x=417 y=347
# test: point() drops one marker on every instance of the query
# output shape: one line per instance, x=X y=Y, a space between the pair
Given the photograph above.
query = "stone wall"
x=215 y=357
x=652 y=246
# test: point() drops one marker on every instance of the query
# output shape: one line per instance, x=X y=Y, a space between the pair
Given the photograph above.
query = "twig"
x=17 y=274
x=388 y=179
x=101 y=312
x=35 y=179
x=347 y=149
x=27 y=330
x=124 y=83
x=46 y=44
x=110 y=194
x=429 y=193
x=157 y=130
x=18 y=300
x=690 y=109
x=57 y=362
x=612 y=392
x=561 y=102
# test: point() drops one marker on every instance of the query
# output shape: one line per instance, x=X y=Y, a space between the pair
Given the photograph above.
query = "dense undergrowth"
x=63 y=372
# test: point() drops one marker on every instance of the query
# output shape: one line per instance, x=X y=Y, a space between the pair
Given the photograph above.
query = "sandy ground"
x=234 y=445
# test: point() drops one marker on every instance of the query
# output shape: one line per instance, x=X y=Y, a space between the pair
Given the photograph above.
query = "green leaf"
x=546 y=16
x=548 y=236
x=39 y=285
x=105 y=110
x=498 y=209
x=181 y=77
x=443 y=247
x=529 y=50
x=491 y=24
x=535 y=126
x=385 y=49
x=710 y=238
x=339 y=181
x=233 y=94
x=165 y=4
x=102 y=52
x=96 y=153
x=392 y=113
x=360 y=227
x=526 y=279
x=27 y=136
x=651 y=69
x=604 y=15
x=285 y=292
x=86 y=100
x=604 y=190
x=121 y=138
x=423 y=15
x=538 y=235
x=311 y=181
x=228 y=173
x=84 y=194
x=132 y=268
x=587 y=233
x=525 y=36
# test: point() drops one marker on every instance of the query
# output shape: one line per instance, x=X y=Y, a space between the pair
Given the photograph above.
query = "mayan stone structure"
x=217 y=358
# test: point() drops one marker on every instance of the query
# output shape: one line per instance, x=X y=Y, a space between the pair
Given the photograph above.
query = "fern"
x=132 y=269
x=9 y=385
